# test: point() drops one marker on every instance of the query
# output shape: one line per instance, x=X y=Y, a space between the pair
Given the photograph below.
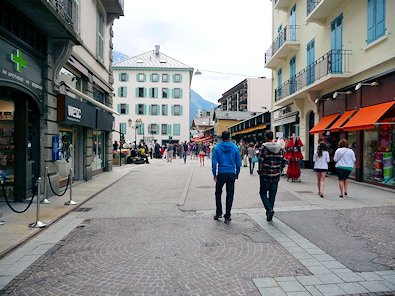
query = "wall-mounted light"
x=359 y=85
x=336 y=93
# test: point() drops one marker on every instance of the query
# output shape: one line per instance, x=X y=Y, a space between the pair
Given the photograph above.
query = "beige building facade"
x=321 y=52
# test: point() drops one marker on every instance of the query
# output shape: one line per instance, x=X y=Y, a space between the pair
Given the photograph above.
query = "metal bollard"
x=38 y=223
x=45 y=200
x=71 y=202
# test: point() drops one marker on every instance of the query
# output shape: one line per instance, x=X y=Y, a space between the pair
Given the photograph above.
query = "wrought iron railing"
x=64 y=8
x=289 y=33
x=311 y=5
x=336 y=61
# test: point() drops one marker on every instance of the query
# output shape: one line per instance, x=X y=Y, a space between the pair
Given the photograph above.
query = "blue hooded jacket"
x=227 y=156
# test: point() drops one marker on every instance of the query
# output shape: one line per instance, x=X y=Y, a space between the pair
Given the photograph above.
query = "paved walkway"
x=22 y=246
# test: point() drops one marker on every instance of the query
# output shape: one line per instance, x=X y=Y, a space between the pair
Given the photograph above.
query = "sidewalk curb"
x=56 y=219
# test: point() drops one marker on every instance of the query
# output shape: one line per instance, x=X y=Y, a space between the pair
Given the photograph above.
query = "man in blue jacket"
x=226 y=163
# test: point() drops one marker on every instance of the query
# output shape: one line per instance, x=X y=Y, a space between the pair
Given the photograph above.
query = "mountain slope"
x=197 y=102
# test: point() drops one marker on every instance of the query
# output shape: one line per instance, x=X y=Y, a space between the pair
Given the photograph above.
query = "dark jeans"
x=184 y=155
x=265 y=189
x=229 y=180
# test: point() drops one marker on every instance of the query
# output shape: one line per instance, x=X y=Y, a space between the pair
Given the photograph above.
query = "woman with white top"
x=345 y=159
x=321 y=160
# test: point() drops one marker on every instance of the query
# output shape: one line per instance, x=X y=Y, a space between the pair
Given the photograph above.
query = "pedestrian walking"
x=271 y=162
x=202 y=154
x=251 y=153
x=344 y=159
x=169 y=152
x=226 y=163
x=185 y=151
x=321 y=160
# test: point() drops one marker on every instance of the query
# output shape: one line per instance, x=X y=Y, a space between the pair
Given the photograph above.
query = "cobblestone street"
x=152 y=233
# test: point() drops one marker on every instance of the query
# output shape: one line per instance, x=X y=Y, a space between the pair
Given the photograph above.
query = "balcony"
x=325 y=72
x=282 y=4
x=286 y=43
x=114 y=8
x=318 y=11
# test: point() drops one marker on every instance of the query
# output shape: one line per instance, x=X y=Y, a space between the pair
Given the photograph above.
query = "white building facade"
x=152 y=95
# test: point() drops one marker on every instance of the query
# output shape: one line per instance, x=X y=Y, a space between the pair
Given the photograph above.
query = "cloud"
x=218 y=35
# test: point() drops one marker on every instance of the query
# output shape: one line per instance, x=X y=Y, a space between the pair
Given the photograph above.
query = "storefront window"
x=98 y=150
x=66 y=153
x=7 y=147
x=379 y=152
x=352 y=140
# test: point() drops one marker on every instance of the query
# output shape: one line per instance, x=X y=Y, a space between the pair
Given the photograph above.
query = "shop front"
x=286 y=121
x=21 y=104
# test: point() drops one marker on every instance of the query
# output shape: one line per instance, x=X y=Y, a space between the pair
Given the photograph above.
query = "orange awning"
x=323 y=124
x=366 y=117
x=204 y=139
x=339 y=123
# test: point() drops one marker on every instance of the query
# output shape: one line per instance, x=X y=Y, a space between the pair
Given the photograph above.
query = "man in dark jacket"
x=271 y=163
x=226 y=163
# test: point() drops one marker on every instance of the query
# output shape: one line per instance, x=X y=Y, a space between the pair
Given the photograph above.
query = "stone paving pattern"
x=167 y=256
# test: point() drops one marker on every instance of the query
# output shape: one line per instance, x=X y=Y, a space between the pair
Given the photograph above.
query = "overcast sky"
x=229 y=36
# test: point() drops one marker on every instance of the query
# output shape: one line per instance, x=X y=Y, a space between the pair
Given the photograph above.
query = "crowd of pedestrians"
x=227 y=158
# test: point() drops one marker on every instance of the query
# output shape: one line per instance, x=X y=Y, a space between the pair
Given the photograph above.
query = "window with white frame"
x=177 y=78
x=177 y=93
x=154 y=77
x=123 y=109
x=165 y=77
x=376 y=19
x=164 y=110
x=140 y=92
x=164 y=129
x=123 y=77
x=154 y=109
x=153 y=129
x=177 y=110
x=141 y=77
x=122 y=91
x=140 y=109
x=100 y=36
x=165 y=92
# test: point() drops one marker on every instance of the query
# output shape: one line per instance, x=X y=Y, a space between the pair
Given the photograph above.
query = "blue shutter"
x=127 y=108
x=119 y=76
x=119 y=92
x=150 y=109
x=155 y=92
x=144 y=109
x=380 y=18
x=136 y=108
x=126 y=91
x=145 y=77
x=169 y=129
x=181 y=93
x=180 y=77
x=180 y=110
x=176 y=129
x=172 y=110
x=122 y=128
x=371 y=20
x=119 y=108
x=127 y=76
x=166 y=110
x=137 y=92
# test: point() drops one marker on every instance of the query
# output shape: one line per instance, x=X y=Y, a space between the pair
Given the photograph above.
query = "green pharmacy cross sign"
x=18 y=60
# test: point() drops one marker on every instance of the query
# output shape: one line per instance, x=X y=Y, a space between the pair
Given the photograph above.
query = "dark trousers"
x=268 y=191
x=229 y=180
x=252 y=165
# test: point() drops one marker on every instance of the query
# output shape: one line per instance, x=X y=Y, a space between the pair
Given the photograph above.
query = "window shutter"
x=172 y=92
x=169 y=129
x=127 y=108
x=172 y=109
x=180 y=93
x=144 y=77
x=371 y=21
x=127 y=76
x=125 y=92
x=144 y=92
x=176 y=129
x=119 y=108
x=137 y=92
x=136 y=109
x=155 y=92
x=166 y=111
x=150 y=110
x=380 y=18
x=137 y=77
x=119 y=92
x=151 y=77
x=145 y=109
x=180 y=78
x=180 y=110
x=119 y=76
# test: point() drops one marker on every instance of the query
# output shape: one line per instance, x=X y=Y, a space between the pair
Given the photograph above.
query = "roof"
x=234 y=115
x=151 y=60
x=198 y=121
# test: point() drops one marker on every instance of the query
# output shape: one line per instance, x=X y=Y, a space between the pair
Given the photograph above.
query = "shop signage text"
x=74 y=112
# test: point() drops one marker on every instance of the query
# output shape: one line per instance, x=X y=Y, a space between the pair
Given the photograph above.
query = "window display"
x=379 y=152
x=7 y=147
x=98 y=150
x=66 y=153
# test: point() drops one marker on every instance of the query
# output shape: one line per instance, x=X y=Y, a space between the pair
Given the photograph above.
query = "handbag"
x=254 y=159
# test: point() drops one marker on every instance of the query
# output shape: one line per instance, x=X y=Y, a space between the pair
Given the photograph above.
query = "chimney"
x=157 y=50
